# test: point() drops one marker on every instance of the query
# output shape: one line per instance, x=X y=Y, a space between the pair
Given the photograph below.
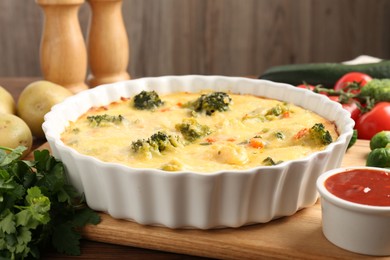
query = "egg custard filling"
x=199 y=132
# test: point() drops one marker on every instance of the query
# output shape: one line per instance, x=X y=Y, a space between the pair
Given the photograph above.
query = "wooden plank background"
x=225 y=37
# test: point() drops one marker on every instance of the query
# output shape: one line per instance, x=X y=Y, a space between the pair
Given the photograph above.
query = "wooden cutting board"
x=298 y=236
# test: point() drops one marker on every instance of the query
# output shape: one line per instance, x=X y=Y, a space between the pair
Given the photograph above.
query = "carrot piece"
x=211 y=139
x=165 y=109
x=301 y=133
x=256 y=143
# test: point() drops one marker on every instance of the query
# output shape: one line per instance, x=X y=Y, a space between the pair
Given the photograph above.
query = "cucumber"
x=325 y=74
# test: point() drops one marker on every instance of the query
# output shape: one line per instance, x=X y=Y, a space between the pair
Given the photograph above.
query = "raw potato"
x=14 y=132
x=36 y=100
x=7 y=102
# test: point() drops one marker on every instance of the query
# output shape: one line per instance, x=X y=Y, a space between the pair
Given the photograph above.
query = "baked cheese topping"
x=176 y=136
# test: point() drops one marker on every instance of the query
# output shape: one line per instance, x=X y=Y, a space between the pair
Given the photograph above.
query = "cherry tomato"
x=351 y=107
x=352 y=77
x=306 y=86
x=334 y=98
x=374 y=121
x=310 y=87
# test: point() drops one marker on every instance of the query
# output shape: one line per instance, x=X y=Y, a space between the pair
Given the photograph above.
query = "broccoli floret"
x=163 y=141
x=155 y=144
x=317 y=134
x=280 y=135
x=192 y=130
x=320 y=134
x=147 y=100
x=104 y=120
x=212 y=102
x=376 y=90
x=277 y=111
x=142 y=146
x=270 y=162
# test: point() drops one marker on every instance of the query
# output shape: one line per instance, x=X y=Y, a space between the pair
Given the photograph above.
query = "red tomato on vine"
x=352 y=82
x=351 y=107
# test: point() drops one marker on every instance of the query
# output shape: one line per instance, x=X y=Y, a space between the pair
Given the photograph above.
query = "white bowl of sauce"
x=355 y=205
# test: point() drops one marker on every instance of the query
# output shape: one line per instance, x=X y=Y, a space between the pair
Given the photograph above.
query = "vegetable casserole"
x=206 y=131
x=179 y=197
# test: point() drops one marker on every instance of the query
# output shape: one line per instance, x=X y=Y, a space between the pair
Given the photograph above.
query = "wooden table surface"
x=91 y=249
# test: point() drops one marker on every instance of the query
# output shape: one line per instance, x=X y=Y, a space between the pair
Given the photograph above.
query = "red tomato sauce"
x=361 y=186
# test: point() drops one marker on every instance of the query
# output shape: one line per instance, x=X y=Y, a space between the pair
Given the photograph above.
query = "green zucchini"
x=325 y=74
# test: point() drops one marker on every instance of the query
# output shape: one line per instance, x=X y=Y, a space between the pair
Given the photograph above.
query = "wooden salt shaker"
x=63 y=53
x=108 y=47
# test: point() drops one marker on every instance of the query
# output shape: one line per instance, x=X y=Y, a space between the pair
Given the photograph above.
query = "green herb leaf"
x=8 y=155
x=7 y=222
x=66 y=239
x=86 y=216
x=38 y=205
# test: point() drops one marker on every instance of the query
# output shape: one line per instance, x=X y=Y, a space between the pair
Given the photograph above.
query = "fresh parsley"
x=38 y=206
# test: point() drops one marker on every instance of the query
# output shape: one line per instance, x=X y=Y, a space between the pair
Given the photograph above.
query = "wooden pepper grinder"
x=108 y=47
x=63 y=53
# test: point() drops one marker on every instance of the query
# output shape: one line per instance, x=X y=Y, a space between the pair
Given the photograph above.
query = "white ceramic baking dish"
x=190 y=199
